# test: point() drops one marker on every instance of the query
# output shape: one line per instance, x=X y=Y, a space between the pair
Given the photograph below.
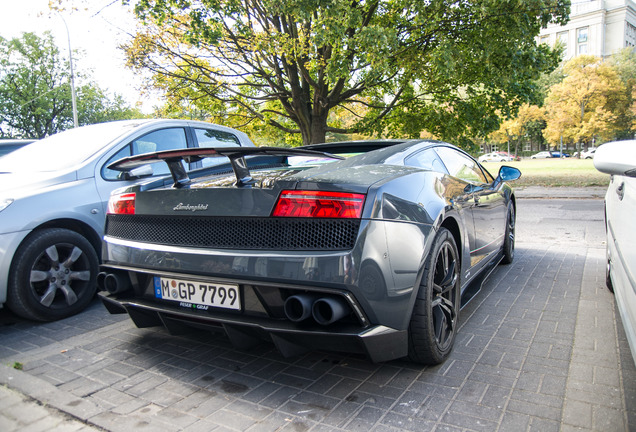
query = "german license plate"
x=197 y=294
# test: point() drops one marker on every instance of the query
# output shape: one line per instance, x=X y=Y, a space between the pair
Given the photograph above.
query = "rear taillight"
x=319 y=204
x=122 y=204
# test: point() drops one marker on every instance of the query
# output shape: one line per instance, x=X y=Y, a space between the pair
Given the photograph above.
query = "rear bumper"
x=379 y=343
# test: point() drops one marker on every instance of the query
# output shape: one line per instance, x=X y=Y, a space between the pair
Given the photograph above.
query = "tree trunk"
x=318 y=131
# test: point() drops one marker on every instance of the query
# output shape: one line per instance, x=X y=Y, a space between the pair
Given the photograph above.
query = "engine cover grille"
x=236 y=233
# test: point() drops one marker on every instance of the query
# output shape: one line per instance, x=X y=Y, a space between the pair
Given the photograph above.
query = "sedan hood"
x=15 y=185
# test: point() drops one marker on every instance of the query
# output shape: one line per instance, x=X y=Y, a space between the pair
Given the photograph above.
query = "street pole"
x=70 y=60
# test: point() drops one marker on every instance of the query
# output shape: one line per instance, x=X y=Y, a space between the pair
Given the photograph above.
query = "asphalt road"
x=541 y=347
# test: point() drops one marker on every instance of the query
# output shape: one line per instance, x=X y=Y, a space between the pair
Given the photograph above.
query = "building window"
x=581 y=40
x=545 y=39
x=562 y=40
x=630 y=35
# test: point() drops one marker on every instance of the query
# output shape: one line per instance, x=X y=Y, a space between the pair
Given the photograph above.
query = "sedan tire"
x=436 y=311
x=509 y=240
x=53 y=275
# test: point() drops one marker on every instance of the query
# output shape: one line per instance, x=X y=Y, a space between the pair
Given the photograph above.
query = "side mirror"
x=507 y=173
x=617 y=158
x=137 y=173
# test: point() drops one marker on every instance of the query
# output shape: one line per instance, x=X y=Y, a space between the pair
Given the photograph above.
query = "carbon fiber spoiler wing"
x=236 y=155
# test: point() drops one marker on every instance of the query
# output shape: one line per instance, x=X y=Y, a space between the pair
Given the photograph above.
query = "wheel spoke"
x=81 y=275
x=39 y=276
x=448 y=282
x=51 y=251
x=70 y=295
x=49 y=295
x=77 y=252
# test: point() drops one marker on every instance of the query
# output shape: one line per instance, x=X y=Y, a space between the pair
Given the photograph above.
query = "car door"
x=485 y=203
x=620 y=208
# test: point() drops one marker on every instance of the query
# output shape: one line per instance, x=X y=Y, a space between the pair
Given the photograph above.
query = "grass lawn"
x=554 y=172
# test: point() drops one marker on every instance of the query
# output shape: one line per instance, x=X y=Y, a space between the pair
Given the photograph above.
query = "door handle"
x=620 y=191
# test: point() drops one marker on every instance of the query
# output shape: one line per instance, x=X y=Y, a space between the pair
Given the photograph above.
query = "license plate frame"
x=196 y=293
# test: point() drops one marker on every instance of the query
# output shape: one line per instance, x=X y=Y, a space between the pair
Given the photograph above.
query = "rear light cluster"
x=121 y=204
x=319 y=204
x=291 y=203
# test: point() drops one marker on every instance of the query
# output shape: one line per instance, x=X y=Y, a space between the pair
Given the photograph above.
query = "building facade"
x=597 y=27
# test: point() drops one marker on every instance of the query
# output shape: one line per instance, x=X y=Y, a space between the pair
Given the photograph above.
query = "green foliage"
x=591 y=103
x=35 y=93
x=399 y=66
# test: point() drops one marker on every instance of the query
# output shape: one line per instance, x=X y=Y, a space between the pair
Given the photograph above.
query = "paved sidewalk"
x=541 y=347
x=18 y=413
x=540 y=192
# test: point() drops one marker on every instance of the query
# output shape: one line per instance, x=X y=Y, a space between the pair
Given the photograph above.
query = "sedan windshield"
x=65 y=149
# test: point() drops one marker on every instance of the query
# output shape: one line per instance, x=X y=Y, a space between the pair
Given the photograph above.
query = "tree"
x=35 y=94
x=399 y=66
x=582 y=107
x=624 y=62
x=527 y=124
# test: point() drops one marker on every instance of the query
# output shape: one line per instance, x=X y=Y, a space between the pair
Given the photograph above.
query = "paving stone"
x=540 y=348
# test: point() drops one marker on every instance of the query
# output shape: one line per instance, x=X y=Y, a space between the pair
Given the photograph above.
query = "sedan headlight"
x=5 y=202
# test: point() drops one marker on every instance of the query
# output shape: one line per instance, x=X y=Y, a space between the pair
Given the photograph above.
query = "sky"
x=96 y=32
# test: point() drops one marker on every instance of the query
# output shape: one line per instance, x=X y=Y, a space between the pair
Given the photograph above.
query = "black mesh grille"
x=236 y=233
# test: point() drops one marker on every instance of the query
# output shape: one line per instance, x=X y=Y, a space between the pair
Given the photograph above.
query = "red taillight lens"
x=319 y=204
x=122 y=204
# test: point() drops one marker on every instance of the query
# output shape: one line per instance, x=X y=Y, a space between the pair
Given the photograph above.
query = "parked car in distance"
x=495 y=157
x=541 y=155
x=53 y=197
x=619 y=159
x=372 y=253
x=512 y=157
x=9 y=145
x=588 y=154
x=556 y=154
x=549 y=154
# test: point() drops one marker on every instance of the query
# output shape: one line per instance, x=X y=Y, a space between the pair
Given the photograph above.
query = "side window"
x=461 y=166
x=160 y=140
x=215 y=138
x=426 y=159
x=110 y=174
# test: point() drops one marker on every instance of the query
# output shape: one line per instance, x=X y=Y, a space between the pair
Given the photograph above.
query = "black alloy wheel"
x=53 y=275
x=509 y=240
x=436 y=311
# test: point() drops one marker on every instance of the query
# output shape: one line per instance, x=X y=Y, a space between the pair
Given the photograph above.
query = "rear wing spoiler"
x=236 y=155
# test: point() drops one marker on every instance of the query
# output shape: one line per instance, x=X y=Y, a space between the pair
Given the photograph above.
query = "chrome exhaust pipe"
x=298 y=307
x=116 y=283
x=328 y=310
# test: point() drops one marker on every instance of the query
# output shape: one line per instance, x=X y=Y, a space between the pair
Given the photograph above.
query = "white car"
x=619 y=159
x=53 y=201
x=494 y=157
x=588 y=154
x=541 y=155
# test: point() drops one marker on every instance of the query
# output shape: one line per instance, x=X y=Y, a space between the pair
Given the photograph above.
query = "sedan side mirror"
x=617 y=158
x=507 y=173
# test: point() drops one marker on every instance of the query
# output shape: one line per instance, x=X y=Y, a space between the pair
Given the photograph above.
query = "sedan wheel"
x=435 y=315
x=53 y=275
x=509 y=241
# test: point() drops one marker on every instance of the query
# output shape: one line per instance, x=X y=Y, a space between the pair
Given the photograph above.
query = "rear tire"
x=53 y=275
x=436 y=311
x=509 y=241
x=608 y=276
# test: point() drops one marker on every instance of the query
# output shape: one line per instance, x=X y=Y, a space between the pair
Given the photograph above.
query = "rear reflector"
x=121 y=204
x=319 y=204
